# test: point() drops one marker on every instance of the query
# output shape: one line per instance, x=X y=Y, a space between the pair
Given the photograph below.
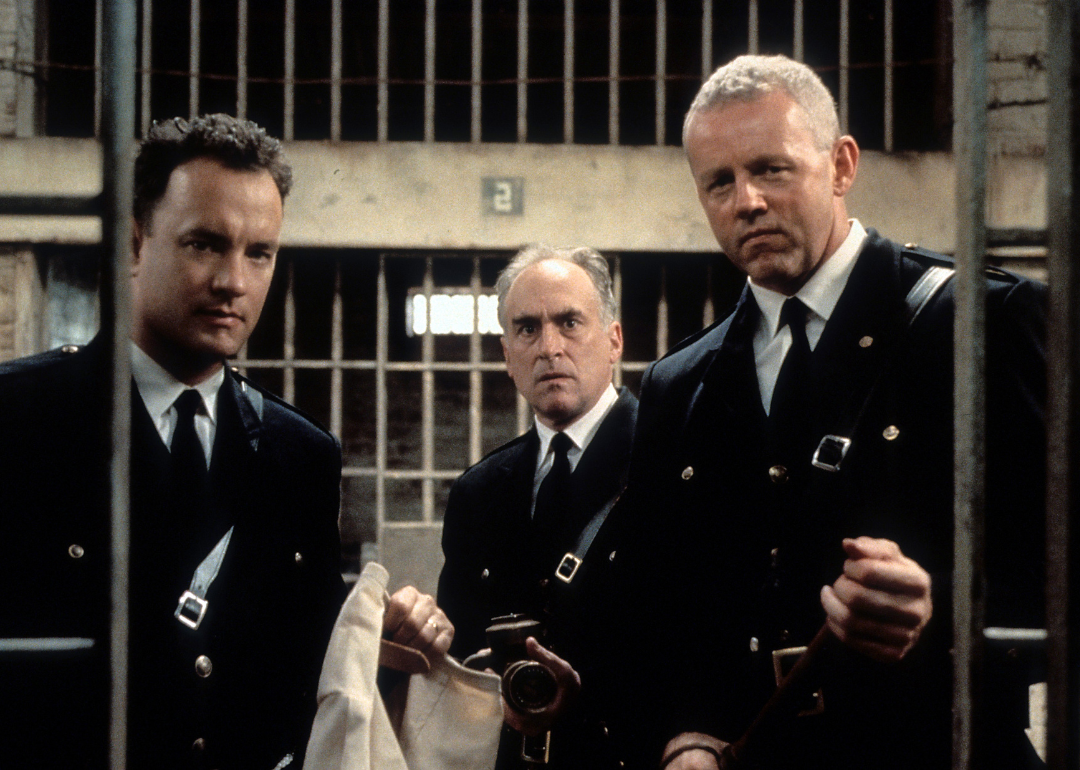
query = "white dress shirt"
x=581 y=432
x=820 y=295
x=159 y=391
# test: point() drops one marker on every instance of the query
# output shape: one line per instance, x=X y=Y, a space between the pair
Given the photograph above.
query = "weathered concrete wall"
x=1017 y=74
x=614 y=198
x=8 y=17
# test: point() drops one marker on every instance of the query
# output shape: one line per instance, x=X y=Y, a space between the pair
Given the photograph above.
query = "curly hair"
x=236 y=144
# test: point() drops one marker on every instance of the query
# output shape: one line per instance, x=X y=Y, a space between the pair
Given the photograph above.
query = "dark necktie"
x=791 y=382
x=188 y=456
x=553 y=497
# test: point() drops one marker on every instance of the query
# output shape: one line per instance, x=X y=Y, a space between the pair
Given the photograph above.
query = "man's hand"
x=413 y=619
x=569 y=684
x=881 y=604
x=688 y=752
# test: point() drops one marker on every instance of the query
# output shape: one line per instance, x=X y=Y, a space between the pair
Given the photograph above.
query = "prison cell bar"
x=1063 y=404
x=118 y=131
x=969 y=393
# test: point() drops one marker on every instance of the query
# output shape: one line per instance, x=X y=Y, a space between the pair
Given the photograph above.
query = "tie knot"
x=187 y=404
x=560 y=444
x=793 y=314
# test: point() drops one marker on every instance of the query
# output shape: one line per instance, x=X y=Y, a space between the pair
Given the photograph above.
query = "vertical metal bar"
x=427 y=400
x=753 y=32
x=1063 y=403
x=708 y=314
x=337 y=345
x=845 y=63
x=706 y=38
x=288 y=385
x=382 y=399
x=146 y=63
x=383 y=109
x=477 y=70
x=616 y=289
x=290 y=68
x=429 y=72
x=969 y=148
x=27 y=97
x=118 y=131
x=335 y=71
x=523 y=71
x=99 y=23
x=662 y=317
x=661 y=72
x=194 y=29
x=613 y=72
x=799 y=24
x=241 y=58
x=476 y=379
x=568 y=71
x=890 y=65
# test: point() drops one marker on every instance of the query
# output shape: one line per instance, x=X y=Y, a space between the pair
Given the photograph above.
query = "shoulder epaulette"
x=256 y=395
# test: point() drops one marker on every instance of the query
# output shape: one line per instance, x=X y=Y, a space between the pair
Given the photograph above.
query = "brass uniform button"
x=485 y=574
x=778 y=474
x=298 y=558
x=69 y=349
x=754 y=644
x=774 y=555
x=203 y=666
x=199 y=746
x=890 y=433
x=688 y=473
x=911 y=245
x=785 y=636
x=611 y=556
x=76 y=551
x=866 y=341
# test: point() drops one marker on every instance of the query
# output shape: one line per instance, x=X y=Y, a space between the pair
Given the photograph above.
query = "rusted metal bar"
x=475 y=126
x=118 y=131
x=568 y=72
x=614 y=30
x=429 y=72
x=194 y=47
x=661 y=72
x=969 y=148
x=1063 y=405
x=241 y=58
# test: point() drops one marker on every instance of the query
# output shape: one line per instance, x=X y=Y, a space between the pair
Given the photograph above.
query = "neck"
x=183 y=365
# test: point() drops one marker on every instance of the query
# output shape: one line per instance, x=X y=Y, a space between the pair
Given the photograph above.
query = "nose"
x=230 y=274
x=550 y=341
x=749 y=200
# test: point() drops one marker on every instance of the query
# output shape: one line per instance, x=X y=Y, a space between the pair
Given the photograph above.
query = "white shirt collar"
x=822 y=291
x=583 y=429
x=159 y=389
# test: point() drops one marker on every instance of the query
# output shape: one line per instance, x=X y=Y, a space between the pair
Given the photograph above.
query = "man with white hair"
x=520 y=513
x=793 y=464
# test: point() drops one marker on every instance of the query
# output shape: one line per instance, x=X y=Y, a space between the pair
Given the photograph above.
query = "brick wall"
x=1017 y=77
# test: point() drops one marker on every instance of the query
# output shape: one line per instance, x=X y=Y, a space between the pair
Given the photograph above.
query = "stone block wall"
x=8 y=21
x=1017 y=53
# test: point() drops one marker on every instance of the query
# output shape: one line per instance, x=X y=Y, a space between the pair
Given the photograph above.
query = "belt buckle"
x=567 y=568
x=782 y=661
x=535 y=749
x=830 y=452
x=191 y=610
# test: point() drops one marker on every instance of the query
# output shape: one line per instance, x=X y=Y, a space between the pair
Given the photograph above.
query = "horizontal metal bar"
x=1015 y=634
x=50 y=205
x=46 y=644
x=404 y=474
x=397 y=366
x=1016 y=236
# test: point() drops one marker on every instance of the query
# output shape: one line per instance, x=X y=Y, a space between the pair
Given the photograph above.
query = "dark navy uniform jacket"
x=494 y=565
x=729 y=532
x=240 y=691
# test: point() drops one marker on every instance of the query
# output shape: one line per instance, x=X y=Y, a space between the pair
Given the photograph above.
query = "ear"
x=845 y=160
x=137 y=238
x=615 y=338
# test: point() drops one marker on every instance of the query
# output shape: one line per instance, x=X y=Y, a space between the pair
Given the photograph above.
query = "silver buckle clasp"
x=191 y=610
x=830 y=452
